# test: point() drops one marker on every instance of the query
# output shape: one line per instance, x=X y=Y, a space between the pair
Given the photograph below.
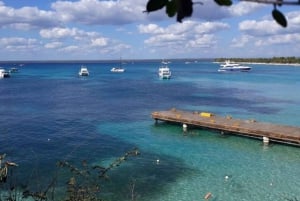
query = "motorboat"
x=4 y=73
x=117 y=70
x=232 y=66
x=164 y=71
x=83 y=71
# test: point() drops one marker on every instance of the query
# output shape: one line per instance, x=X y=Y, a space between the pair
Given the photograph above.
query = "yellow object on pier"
x=206 y=114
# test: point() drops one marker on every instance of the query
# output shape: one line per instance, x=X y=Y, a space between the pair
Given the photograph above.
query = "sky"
x=109 y=30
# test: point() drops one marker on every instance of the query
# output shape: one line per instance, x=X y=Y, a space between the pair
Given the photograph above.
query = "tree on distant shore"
x=281 y=60
x=184 y=8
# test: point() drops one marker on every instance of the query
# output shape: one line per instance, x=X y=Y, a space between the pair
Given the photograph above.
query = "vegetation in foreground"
x=83 y=184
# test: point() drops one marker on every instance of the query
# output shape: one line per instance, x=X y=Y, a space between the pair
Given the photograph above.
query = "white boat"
x=164 y=71
x=117 y=70
x=4 y=73
x=83 y=71
x=232 y=66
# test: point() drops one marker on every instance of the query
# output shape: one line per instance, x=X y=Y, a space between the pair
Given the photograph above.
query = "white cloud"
x=53 y=45
x=100 y=12
x=189 y=33
x=206 y=40
x=279 y=40
x=100 y=42
x=150 y=29
x=59 y=32
x=241 y=41
x=26 y=18
x=244 y=8
x=211 y=27
x=211 y=11
x=19 y=44
x=260 y=28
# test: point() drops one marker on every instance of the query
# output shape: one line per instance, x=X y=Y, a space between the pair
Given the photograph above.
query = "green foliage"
x=224 y=2
x=171 y=8
x=83 y=183
x=154 y=5
x=279 y=17
x=184 y=8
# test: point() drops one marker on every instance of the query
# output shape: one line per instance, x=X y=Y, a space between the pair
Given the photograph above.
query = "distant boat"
x=14 y=70
x=164 y=71
x=4 y=73
x=118 y=69
x=83 y=71
x=231 y=66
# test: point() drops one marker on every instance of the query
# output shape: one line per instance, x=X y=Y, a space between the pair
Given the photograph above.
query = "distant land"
x=273 y=60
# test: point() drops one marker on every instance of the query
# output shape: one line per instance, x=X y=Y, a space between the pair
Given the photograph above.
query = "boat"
x=4 y=73
x=164 y=71
x=83 y=71
x=117 y=70
x=13 y=70
x=232 y=66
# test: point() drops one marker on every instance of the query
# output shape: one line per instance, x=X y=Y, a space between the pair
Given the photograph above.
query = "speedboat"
x=4 y=73
x=117 y=70
x=231 y=66
x=164 y=71
x=83 y=71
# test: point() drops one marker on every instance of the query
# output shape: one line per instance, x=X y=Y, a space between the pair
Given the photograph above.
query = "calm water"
x=48 y=113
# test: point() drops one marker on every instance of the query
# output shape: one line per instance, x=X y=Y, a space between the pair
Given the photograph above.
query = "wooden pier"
x=248 y=128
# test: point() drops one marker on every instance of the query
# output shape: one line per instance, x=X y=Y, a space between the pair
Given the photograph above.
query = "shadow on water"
x=37 y=160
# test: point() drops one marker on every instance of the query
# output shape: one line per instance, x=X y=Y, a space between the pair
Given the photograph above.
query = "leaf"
x=171 y=8
x=154 y=5
x=224 y=2
x=184 y=9
x=279 y=17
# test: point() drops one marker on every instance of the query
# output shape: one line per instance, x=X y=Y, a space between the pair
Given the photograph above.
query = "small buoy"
x=184 y=128
x=157 y=161
x=48 y=139
x=266 y=140
x=226 y=177
x=207 y=196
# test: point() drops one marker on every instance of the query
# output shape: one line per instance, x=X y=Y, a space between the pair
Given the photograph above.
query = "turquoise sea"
x=49 y=114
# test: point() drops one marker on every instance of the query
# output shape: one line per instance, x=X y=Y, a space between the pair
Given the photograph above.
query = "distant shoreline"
x=262 y=63
x=285 y=61
x=279 y=64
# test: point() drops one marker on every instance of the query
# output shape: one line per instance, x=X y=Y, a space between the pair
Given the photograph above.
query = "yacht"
x=83 y=71
x=164 y=71
x=4 y=73
x=117 y=70
x=232 y=66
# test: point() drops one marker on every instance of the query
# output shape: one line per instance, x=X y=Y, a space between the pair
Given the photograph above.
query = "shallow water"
x=48 y=113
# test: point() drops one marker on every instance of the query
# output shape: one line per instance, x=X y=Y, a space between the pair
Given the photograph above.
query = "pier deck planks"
x=250 y=128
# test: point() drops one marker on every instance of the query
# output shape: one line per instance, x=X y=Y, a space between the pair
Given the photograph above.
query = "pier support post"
x=266 y=140
x=184 y=128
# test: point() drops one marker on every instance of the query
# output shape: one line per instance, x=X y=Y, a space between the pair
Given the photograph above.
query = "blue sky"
x=107 y=29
